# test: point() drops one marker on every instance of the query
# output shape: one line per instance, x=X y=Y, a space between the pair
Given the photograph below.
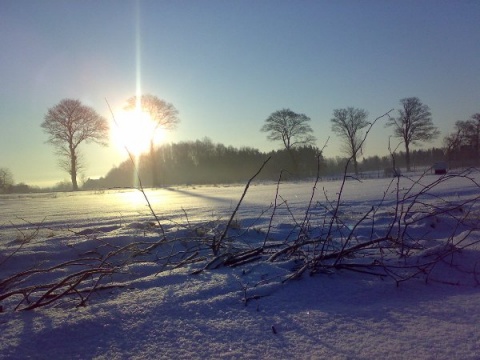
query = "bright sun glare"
x=134 y=130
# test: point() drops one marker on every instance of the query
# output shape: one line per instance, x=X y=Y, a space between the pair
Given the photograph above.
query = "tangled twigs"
x=67 y=286
x=80 y=277
x=413 y=229
x=217 y=244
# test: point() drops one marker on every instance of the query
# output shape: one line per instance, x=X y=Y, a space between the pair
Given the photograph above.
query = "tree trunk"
x=294 y=162
x=73 y=170
x=354 y=149
x=407 y=155
x=355 y=164
x=477 y=142
x=153 y=165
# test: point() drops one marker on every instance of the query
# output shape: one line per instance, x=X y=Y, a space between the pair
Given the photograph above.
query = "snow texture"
x=152 y=311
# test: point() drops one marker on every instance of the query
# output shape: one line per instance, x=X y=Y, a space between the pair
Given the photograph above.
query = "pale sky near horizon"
x=227 y=65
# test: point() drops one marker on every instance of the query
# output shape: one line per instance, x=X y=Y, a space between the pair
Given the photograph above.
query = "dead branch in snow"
x=216 y=244
x=380 y=241
x=390 y=250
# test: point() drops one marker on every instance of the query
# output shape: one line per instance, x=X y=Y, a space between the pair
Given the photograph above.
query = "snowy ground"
x=156 y=310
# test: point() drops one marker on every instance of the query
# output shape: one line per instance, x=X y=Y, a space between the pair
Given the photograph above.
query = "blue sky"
x=227 y=65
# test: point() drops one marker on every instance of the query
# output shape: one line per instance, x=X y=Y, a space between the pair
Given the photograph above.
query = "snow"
x=152 y=310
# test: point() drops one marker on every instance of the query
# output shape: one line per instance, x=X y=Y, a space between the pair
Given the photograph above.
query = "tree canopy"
x=347 y=124
x=290 y=128
x=414 y=124
x=463 y=144
x=68 y=124
x=6 y=179
x=165 y=116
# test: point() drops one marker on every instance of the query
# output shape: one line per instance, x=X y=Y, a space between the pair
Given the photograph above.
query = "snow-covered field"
x=148 y=303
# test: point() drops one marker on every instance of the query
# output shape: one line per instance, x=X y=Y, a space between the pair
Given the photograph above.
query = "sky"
x=227 y=65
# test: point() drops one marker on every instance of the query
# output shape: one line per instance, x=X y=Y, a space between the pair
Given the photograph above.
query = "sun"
x=134 y=130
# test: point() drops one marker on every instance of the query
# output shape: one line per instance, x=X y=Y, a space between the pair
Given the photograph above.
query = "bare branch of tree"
x=68 y=124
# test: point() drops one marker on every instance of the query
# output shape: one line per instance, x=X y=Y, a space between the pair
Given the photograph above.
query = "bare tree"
x=347 y=124
x=475 y=135
x=165 y=116
x=453 y=142
x=6 y=179
x=414 y=124
x=289 y=127
x=464 y=142
x=68 y=124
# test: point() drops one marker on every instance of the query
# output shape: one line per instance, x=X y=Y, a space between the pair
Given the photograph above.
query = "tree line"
x=462 y=146
x=70 y=124
x=204 y=162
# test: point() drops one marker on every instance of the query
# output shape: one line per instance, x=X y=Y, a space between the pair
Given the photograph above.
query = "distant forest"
x=69 y=123
x=204 y=162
